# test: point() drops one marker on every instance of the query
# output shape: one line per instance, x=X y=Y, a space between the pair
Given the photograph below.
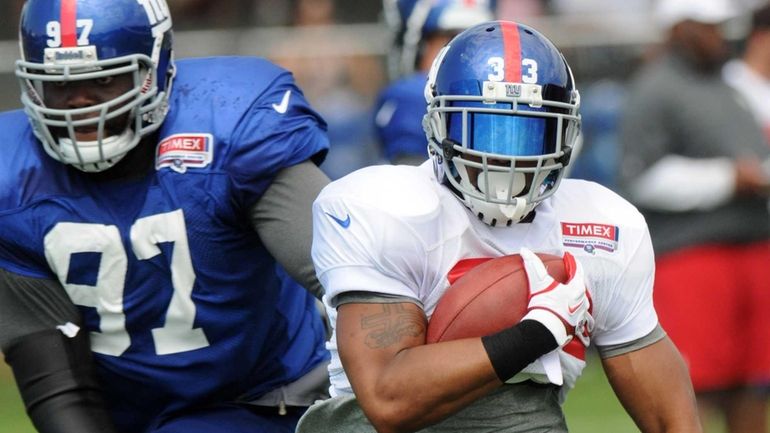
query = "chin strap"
x=516 y=211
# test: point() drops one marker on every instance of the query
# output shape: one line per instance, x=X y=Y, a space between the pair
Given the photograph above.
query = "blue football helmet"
x=411 y=21
x=502 y=119
x=68 y=41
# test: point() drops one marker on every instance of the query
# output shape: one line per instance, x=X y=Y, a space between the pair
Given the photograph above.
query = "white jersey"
x=753 y=88
x=395 y=230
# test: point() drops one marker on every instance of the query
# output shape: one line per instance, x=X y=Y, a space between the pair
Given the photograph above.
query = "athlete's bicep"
x=370 y=335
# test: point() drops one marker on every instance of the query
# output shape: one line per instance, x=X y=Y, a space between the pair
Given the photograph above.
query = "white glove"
x=562 y=308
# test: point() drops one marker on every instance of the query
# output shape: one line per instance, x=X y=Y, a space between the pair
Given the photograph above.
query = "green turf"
x=592 y=407
x=13 y=419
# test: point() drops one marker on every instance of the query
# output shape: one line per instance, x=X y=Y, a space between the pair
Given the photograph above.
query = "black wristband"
x=514 y=348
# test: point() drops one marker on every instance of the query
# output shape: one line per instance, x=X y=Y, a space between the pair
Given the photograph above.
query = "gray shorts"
x=517 y=408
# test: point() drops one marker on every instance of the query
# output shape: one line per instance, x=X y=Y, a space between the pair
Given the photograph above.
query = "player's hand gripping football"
x=562 y=308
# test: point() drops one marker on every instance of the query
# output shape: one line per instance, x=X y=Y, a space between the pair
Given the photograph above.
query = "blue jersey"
x=183 y=303
x=399 y=110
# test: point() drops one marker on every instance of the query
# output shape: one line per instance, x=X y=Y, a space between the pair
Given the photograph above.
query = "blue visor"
x=504 y=134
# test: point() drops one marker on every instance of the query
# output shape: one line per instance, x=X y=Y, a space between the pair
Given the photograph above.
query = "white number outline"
x=106 y=296
x=85 y=34
x=531 y=71
x=528 y=73
x=498 y=68
x=53 y=30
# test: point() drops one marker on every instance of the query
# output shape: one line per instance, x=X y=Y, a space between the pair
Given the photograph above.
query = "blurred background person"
x=420 y=29
x=750 y=74
x=604 y=70
x=692 y=159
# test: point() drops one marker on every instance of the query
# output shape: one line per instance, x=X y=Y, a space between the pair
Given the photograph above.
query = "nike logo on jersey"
x=343 y=223
x=284 y=105
x=572 y=309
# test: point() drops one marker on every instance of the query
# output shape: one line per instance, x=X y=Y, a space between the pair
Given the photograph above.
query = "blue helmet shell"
x=502 y=118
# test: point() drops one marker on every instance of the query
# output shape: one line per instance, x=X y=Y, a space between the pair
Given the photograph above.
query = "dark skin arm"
x=401 y=383
x=654 y=387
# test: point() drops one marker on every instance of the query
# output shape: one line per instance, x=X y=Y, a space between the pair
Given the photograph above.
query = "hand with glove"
x=563 y=308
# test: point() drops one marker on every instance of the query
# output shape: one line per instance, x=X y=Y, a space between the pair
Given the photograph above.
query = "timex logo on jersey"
x=590 y=236
x=183 y=151
x=596 y=230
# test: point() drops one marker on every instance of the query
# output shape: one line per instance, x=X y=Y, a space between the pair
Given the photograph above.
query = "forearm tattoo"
x=392 y=324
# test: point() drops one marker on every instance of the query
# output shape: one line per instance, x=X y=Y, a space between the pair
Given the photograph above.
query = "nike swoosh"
x=575 y=308
x=343 y=223
x=284 y=105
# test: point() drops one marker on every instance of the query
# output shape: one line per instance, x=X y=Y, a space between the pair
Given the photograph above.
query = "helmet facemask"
x=100 y=74
x=503 y=152
x=56 y=128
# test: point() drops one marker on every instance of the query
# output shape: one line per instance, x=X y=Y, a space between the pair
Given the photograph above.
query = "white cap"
x=671 y=12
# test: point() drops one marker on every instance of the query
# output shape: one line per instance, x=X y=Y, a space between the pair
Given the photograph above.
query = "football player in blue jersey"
x=420 y=29
x=151 y=215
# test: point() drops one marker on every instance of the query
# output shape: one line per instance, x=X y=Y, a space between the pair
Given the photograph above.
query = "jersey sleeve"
x=356 y=248
x=20 y=242
x=625 y=312
x=279 y=130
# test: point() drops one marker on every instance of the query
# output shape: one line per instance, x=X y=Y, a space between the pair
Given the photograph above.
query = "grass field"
x=591 y=407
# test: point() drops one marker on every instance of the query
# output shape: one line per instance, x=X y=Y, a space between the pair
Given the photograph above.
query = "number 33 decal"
x=528 y=70
x=106 y=295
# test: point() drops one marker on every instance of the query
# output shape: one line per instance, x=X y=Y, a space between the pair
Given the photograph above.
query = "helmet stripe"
x=69 y=34
x=512 y=50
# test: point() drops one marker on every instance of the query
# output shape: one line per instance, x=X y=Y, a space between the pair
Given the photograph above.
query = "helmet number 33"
x=528 y=70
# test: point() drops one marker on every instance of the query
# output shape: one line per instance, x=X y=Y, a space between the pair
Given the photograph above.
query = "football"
x=488 y=298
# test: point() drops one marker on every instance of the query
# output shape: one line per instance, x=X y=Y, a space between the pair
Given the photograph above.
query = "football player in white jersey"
x=501 y=123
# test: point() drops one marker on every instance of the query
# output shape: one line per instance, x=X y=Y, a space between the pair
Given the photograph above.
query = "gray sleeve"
x=620 y=349
x=29 y=305
x=283 y=219
x=371 y=298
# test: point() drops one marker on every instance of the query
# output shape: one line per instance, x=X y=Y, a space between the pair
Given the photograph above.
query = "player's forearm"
x=423 y=385
x=654 y=387
x=404 y=384
x=55 y=377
